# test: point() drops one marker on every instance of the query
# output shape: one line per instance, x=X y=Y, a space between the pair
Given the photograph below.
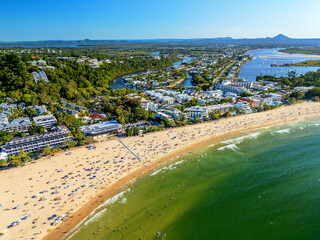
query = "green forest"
x=292 y=80
x=310 y=50
x=69 y=80
x=307 y=63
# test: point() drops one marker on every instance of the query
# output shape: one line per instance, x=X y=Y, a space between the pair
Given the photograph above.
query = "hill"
x=277 y=41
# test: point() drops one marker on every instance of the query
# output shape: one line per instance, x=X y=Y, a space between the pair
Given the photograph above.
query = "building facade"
x=102 y=129
x=19 y=125
x=37 y=142
x=232 y=88
x=46 y=121
x=196 y=111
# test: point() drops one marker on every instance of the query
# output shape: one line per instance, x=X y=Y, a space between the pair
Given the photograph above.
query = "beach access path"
x=49 y=198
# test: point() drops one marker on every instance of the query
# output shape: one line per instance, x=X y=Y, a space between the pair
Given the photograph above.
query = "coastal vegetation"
x=69 y=80
x=309 y=50
x=307 y=63
x=292 y=80
x=314 y=94
x=125 y=109
x=73 y=78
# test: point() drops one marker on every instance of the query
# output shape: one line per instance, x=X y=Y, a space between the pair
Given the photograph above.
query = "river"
x=261 y=65
x=118 y=83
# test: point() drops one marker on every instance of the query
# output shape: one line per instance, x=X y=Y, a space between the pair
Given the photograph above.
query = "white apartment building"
x=233 y=88
x=150 y=106
x=243 y=106
x=265 y=99
x=175 y=113
x=163 y=115
x=216 y=94
x=223 y=108
x=46 y=121
x=197 y=111
x=37 y=142
x=182 y=98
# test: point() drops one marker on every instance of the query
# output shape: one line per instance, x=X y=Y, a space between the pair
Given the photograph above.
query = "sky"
x=34 y=20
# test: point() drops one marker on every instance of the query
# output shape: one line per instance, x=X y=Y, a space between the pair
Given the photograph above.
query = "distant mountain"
x=278 y=41
x=281 y=37
x=224 y=38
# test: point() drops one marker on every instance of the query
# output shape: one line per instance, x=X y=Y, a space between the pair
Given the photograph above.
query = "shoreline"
x=117 y=80
x=299 y=55
x=91 y=208
x=87 y=178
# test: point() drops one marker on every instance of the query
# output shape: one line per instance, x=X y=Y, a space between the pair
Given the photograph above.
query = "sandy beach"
x=47 y=199
x=295 y=55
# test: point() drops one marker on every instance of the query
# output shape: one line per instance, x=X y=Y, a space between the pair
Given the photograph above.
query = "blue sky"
x=22 y=20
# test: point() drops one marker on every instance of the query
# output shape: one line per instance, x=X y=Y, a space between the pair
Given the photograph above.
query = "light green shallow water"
x=263 y=185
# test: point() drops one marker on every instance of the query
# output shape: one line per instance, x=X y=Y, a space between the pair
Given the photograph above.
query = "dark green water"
x=263 y=185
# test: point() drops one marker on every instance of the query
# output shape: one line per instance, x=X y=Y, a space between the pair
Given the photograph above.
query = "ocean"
x=263 y=184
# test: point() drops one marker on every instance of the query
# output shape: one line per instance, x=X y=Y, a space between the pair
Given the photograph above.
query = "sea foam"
x=241 y=139
x=232 y=143
x=170 y=167
x=232 y=146
x=115 y=198
x=287 y=130
x=311 y=125
x=94 y=216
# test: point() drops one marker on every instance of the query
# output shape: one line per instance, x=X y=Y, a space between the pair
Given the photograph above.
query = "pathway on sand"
x=40 y=197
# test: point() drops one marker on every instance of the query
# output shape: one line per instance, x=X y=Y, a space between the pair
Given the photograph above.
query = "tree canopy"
x=69 y=80
x=309 y=79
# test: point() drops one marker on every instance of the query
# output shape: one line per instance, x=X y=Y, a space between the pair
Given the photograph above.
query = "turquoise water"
x=262 y=185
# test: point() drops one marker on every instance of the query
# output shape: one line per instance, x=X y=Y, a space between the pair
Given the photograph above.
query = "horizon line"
x=154 y=39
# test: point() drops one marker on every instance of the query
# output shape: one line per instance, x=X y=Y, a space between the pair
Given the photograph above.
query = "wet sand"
x=295 y=55
x=57 y=193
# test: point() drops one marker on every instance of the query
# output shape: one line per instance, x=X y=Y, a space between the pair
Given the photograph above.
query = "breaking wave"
x=287 y=130
x=115 y=198
x=170 y=167
x=232 y=143
x=230 y=146
x=94 y=215
x=241 y=139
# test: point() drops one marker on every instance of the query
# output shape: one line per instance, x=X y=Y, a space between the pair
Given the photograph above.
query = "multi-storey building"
x=196 y=111
x=175 y=113
x=36 y=142
x=232 y=88
x=19 y=125
x=102 y=129
x=203 y=112
x=46 y=121
x=40 y=109
x=223 y=108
